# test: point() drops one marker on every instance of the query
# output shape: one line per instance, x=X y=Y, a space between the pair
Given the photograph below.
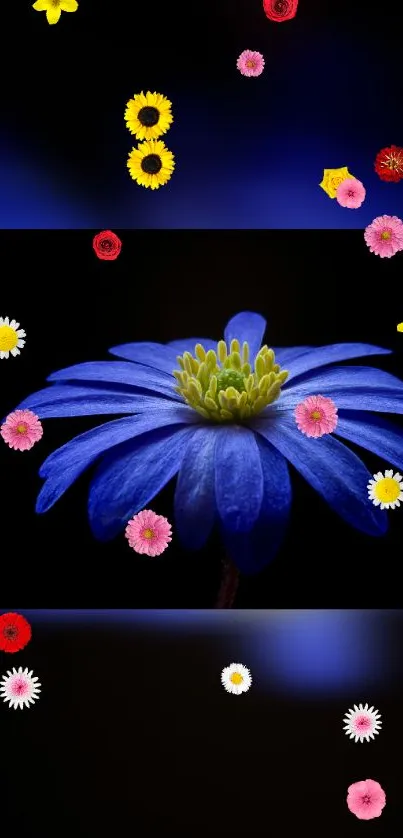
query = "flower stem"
x=229 y=585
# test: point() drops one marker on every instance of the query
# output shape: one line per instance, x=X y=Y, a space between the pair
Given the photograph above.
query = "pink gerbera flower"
x=21 y=430
x=149 y=533
x=350 y=193
x=250 y=63
x=384 y=236
x=316 y=416
x=366 y=799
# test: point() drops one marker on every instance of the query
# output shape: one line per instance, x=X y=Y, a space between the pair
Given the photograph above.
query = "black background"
x=313 y=287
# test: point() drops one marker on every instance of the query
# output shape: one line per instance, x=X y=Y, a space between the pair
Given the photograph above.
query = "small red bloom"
x=389 y=164
x=15 y=632
x=280 y=10
x=107 y=245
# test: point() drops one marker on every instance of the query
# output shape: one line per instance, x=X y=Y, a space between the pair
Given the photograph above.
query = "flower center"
x=387 y=490
x=366 y=799
x=8 y=338
x=236 y=678
x=22 y=428
x=363 y=723
x=19 y=687
x=151 y=164
x=281 y=6
x=148 y=116
x=250 y=64
x=316 y=415
x=148 y=533
x=386 y=235
x=221 y=384
x=10 y=632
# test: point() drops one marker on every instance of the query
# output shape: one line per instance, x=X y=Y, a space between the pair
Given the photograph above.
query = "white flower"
x=10 y=337
x=19 y=688
x=236 y=678
x=386 y=490
x=362 y=723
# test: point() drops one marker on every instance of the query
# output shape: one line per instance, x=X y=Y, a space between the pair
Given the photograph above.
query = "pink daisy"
x=384 y=236
x=21 y=430
x=366 y=799
x=316 y=416
x=149 y=533
x=350 y=193
x=250 y=63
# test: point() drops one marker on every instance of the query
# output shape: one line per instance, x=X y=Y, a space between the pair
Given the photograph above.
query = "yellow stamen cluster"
x=222 y=386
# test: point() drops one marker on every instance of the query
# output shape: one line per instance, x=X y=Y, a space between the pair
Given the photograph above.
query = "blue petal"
x=321 y=356
x=188 y=345
x=66 y=464
x=154 y=355
x=286 y=354
x=132 y=476
x=195 y=505
x=119 y=372
x=238 y=478
x=373 y=433
x=254 y=550
x=351 y=388
x=249 y=326
x=331 y=469
x=71 y=400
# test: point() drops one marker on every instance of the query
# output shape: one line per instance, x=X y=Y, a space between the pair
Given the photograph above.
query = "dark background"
x=250 y=153
x=133 y=732
x=314 y=288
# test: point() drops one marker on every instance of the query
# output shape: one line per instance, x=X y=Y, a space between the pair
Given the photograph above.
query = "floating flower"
x=221 y=417
x=332 y=178
x=400 y=327
x=362 y=723
x=350 y=193
x=54 y=8
x=10 y=338
x=236 y=678
x=386 y=490
x=148 y=115
x=280 y=10
x=21 y=430
x=316 y=416
x=15 y=632
x=366 y=799
x=149 y=533
x=250 y=63
x=384 y=236
x=107 y=245
x=151 y=164
x=19 y=688
x=389 y=164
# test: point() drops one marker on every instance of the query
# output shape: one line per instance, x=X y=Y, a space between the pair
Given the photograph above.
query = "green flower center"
x=222 y=385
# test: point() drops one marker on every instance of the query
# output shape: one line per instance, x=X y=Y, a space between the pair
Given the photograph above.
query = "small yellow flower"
x=332 y=178
x=400 y=327
x=54 y=8
x=151 y=164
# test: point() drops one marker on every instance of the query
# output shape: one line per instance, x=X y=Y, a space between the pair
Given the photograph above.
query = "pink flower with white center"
x=21 y=430
x=351 y=193
x=250 y=63
x=366 y=799
x=362 y=723
x=384 y=236
x=316 y=416
x=19 y=688
x=149 y=533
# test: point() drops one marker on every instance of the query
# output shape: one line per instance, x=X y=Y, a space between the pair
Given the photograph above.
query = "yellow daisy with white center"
x=386 y=490
x=236 y=678
x=148 y=115
x=54 y=8
x=11 y=338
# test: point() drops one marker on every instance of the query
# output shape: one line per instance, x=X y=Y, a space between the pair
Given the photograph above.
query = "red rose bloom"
x=389 y=164
x=280 y=10
x=107 y=245
x=15 y=632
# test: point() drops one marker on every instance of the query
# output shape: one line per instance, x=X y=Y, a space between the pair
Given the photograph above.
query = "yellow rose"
x=332 y=178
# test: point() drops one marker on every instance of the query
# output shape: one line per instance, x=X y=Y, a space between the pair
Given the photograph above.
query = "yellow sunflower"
x=151 y=164
x=148 y=115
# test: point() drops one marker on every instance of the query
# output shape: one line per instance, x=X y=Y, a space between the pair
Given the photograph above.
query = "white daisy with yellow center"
x=236 y=678
x=11 y=337
x=386 y=490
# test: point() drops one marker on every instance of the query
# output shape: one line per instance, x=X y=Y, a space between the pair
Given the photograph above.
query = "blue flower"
x=226 y=428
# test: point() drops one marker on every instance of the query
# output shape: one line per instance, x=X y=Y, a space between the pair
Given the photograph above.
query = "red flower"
x=15 y=632
x=389 y=164
x=107 y=245
x=280 y=10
